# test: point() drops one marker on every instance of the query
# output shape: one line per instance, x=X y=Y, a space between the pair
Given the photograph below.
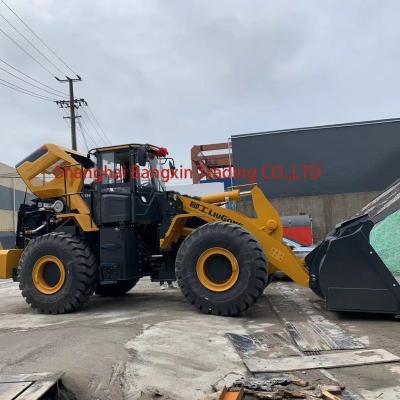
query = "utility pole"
x=72 y=104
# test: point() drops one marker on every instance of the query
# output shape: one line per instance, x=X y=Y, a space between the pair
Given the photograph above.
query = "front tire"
x=221 y=269
x=57 y=273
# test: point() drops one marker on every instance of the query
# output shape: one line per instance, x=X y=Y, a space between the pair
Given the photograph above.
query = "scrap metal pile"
x=278 y=387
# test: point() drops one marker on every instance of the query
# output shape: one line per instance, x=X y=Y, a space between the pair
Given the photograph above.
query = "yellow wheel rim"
x=204 y=276
x=48 y=274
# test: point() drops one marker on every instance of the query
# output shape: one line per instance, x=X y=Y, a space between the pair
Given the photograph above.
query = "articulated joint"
x=270 y=226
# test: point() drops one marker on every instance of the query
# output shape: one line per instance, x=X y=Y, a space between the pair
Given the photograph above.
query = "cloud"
x=178 y=73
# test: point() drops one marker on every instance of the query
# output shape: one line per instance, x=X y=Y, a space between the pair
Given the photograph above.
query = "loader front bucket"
x=347 y=271
x=9 y=260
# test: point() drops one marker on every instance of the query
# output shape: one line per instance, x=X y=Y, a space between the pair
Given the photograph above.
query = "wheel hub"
x=48 y=274
x=217 y=269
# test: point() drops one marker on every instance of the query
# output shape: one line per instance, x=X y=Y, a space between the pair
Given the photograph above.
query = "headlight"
x=58 y=206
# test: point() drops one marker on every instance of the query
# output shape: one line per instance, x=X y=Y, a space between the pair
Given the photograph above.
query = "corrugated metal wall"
x=351 y=158
x=356 y=162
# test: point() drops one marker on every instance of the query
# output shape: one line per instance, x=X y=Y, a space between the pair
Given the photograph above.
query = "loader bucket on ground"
x=347 y=271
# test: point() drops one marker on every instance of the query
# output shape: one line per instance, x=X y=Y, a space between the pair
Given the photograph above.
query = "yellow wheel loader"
x=101 y=222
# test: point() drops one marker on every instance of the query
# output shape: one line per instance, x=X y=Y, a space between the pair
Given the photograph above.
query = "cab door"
x=114 y=187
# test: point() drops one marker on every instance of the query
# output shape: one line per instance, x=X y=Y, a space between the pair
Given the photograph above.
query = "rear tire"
x=200 y=269
x=116 y=290
x=57 y=273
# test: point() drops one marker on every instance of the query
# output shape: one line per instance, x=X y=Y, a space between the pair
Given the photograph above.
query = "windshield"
x=113 y=168
x=156 y=175
x=151 y=174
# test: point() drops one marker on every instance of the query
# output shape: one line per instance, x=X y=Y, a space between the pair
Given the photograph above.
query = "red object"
x=298 y=228
x=205 y=162
x=162 y=152
x=300 y=234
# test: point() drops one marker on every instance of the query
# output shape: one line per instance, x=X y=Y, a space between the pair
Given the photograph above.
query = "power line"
x=39 y=38
x=93 y=126
x=99 y=125
x=73 y=104
x=30 y=42
x=88 y=134
x=29 y=83
x=25 y=91
x=26 y=52
x=65 y=118
x=101 y=135
x=83 y=135
x=92 y=141
x=33 y=79
x=66 y=122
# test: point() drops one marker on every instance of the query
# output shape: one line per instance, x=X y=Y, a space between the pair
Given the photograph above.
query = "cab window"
x=115 y=168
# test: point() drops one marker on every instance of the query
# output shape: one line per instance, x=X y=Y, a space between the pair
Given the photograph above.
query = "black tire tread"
x=85 y=266
x=259 y=265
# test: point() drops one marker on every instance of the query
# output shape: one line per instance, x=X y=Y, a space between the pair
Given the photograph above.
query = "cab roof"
x=124 y=146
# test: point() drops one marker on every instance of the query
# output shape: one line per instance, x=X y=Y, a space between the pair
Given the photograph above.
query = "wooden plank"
x=327 y=360
x=10 y=390
x=347 y=393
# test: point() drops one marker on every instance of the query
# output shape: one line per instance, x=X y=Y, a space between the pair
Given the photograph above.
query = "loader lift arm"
x=266 y=228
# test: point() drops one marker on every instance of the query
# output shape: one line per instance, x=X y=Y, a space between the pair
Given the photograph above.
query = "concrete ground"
x=153 y=344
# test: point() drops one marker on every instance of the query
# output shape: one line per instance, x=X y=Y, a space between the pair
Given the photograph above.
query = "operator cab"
x=129 y=203
x=127 y=183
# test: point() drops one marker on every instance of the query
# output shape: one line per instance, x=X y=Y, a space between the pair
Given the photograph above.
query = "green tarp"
x=385 y=239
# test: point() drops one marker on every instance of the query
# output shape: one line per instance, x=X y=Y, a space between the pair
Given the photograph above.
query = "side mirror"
x=172 y=165
x=142 y=156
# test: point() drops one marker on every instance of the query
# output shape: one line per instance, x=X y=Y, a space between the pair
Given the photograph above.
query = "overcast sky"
x=183 y=72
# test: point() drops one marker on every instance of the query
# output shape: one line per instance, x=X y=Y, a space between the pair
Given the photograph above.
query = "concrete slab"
x=30 y=386
x=10 y=390
x=328 y=360
x=153 y=341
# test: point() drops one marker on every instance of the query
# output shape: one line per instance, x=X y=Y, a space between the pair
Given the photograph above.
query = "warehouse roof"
x=342 y=125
